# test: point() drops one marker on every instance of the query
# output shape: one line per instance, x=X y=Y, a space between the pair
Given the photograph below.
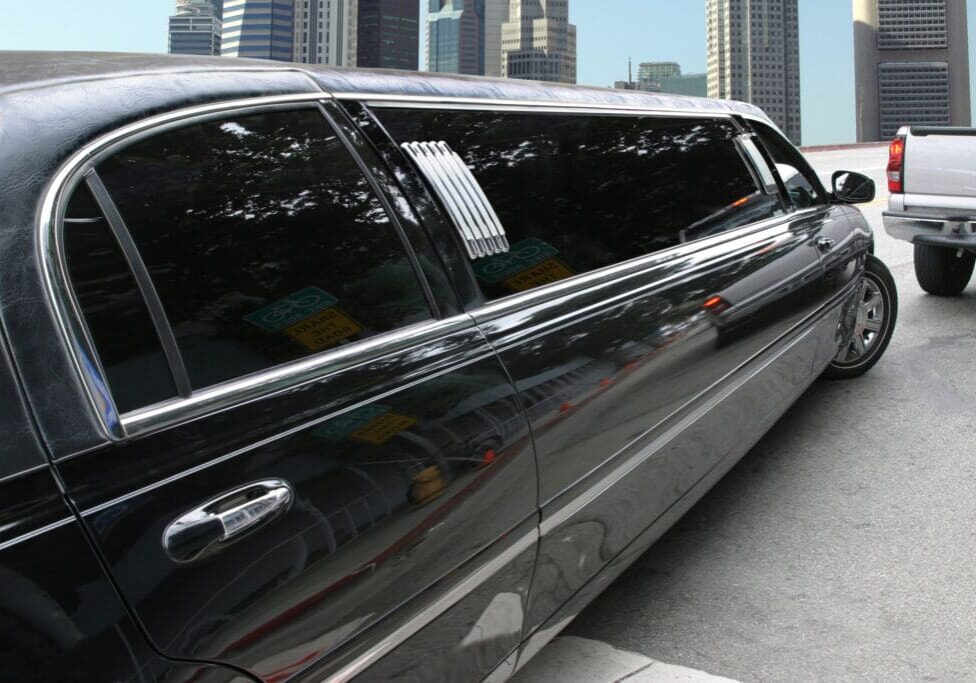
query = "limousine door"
x=654 y=307
x=318 y=466
x=841 y=249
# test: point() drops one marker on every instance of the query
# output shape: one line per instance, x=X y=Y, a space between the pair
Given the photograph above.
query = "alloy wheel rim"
x=868 y=326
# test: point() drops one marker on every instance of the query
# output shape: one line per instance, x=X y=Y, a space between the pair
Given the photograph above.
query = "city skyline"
x=643 y=30
x=754 y=56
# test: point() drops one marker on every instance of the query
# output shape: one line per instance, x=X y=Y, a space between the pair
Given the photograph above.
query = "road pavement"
x=843 y=546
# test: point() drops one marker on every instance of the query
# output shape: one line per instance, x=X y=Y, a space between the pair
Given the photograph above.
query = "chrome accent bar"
x=462 y=196
x=435 y=609
x=283 y=377
x=491 y=225
x=712 y=108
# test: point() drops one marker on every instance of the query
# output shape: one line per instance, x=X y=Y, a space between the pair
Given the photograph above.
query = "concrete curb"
x=569 y=659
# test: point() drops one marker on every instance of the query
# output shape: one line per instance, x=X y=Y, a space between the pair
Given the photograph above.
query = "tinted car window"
x=113 y=308
x=576 y=193
x=264 y=241
x=801 y=182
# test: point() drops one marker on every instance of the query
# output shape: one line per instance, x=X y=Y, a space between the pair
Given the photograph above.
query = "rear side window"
x=264 y=244
x=264 y=241
x=577 y=193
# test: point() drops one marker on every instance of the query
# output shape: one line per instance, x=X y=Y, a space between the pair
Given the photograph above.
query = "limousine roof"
x=32 y=70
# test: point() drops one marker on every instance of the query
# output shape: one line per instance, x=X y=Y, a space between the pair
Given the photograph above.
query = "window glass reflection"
x=264 y=241
x=576 y=193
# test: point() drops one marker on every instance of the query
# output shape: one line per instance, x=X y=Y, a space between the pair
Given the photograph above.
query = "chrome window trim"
x=287 y=376
x=40 y=531
x=74 y=331
x=758 y=163
x=602 y=276
x=389 y=100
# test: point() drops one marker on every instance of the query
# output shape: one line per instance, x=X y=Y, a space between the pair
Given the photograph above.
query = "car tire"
x=940 y=271
x=877 y=313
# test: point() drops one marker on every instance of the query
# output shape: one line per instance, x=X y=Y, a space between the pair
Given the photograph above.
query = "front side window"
x=576 y=193
x=263 y=240
x=801 y=182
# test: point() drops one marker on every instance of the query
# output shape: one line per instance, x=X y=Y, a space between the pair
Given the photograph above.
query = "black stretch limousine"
x=313 y=374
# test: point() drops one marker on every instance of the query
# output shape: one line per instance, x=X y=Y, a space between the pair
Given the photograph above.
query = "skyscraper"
x=261 y=29
x=695 y=85
x=195 y=28
x=388 y=34
x=754 y=56
x=456 y=36
x=496 y=14
x=650 y=74
x=538 y=42
x=911 y=60
x=325 y=32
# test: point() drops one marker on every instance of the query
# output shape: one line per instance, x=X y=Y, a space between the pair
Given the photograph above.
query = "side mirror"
x=852 y=188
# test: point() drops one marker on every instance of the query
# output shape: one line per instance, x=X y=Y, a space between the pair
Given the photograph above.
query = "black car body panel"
x=458 y=483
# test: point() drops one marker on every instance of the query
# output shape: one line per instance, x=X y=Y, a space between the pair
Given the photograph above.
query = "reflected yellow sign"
x=550 y=270
x=428 y=484
x=383 y=428
x=323 y=330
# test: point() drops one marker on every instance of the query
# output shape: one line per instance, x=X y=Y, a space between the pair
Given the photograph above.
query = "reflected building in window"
x=754 y=56
x=538 y=42
x=911 y=65
x=259 y=29
x=195 y=29
x=326 y=32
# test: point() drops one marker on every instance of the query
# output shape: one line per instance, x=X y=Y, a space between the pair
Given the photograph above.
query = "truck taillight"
x=896 y=166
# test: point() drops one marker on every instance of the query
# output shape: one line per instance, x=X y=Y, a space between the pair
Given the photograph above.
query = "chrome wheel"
x=868 y=325
x=875 y=311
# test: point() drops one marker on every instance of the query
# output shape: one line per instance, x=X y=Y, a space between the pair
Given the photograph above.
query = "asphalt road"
x=843 y=546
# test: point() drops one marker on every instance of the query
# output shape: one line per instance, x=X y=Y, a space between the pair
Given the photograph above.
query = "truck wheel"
x=940 y=272
x=877 y=311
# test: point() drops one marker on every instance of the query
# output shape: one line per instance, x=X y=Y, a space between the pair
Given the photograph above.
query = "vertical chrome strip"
x=456 y=188
x=457 y=170
x=759 y=163
x=143 y=281
x=479 y=197
x=462 y=196
x=418 y=153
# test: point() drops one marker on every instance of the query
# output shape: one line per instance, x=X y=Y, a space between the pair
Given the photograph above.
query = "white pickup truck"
x=932 y=181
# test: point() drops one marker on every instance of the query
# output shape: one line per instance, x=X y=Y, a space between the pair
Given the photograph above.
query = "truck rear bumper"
x=955 y=232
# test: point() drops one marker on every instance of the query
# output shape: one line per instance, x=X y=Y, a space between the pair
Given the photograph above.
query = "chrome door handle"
x=205 y=530
x=825 y=244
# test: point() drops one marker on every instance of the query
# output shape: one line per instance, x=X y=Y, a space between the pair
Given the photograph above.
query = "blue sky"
x=609 y=31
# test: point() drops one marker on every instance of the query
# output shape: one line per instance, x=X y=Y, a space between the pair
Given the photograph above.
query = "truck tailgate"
x=941 y=162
